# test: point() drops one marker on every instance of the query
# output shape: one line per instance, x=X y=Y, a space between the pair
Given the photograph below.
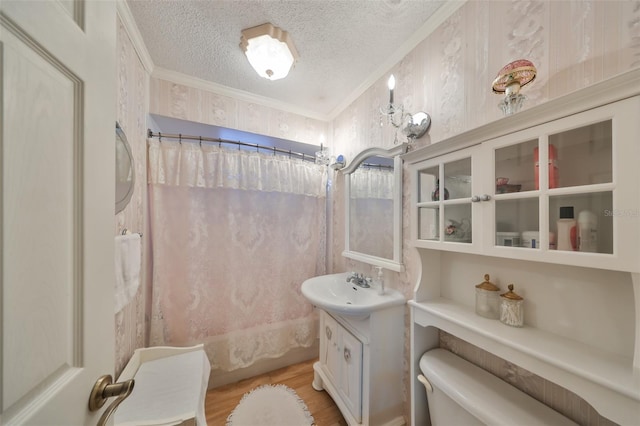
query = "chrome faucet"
x=359 y=279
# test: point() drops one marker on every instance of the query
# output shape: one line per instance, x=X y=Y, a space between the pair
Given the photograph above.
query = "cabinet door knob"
x=485 y=197
x=328 y=332
x=347 y=354
x=475 y=199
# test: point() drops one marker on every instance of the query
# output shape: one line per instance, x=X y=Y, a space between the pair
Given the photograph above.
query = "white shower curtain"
x=234 y=235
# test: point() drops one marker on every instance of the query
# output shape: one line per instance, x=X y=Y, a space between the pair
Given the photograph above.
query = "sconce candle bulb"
x=392 y=85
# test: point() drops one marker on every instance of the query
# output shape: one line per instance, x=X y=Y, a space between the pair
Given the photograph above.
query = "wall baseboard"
x=219 y=378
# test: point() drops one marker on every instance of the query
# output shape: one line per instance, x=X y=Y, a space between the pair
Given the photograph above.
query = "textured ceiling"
x=341 y=43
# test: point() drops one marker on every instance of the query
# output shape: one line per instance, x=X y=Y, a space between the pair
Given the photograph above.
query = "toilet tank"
x=464 y=394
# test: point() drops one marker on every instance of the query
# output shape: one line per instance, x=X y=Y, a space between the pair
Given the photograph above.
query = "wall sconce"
x=510 y=79
x=270 y=50
x=413 y=126
x=323 y=157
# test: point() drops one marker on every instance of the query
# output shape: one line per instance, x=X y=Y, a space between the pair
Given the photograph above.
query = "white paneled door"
x=57 y=176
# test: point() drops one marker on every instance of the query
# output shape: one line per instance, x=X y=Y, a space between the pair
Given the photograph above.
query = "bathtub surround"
x=235 y=233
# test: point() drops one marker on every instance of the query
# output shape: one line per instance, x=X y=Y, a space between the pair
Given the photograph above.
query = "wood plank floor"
x=221 y=401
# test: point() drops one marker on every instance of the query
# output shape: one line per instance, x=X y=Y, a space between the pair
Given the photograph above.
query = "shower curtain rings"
x=200 y=141
x=180 y=138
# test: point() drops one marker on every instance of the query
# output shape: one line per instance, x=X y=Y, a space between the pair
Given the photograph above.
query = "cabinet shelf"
x=607 y=381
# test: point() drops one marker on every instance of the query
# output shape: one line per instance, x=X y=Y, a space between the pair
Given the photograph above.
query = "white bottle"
x=566 y=229
x=587 y=231
x=379 y=280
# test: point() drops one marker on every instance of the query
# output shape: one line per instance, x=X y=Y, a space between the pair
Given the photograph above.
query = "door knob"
x=485 y=197
x=347 y=354
x=104 y=389
x=475 y=199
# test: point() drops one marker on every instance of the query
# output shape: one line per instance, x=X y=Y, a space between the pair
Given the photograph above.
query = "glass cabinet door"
x=444 y=202
x=517 y=218
x=457 y=205
x=428 y=210
x=582 y=218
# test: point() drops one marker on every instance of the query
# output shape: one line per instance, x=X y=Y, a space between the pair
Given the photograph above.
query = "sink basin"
x=334 y=294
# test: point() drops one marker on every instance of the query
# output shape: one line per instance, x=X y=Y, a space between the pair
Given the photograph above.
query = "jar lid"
x=510 y=294
x=487 y=285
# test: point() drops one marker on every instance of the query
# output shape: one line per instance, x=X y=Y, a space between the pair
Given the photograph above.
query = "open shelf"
x=607 y=381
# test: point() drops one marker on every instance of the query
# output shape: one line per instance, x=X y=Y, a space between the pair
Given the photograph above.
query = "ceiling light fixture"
x=269 y=49
x=413 y=126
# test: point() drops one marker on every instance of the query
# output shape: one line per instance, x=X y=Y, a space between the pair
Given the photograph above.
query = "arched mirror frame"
x=394 y=264
x=122 y=198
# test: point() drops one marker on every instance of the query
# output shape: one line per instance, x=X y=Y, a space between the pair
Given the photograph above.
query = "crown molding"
x=198 y=83
x=133 y=32
x=441 y=15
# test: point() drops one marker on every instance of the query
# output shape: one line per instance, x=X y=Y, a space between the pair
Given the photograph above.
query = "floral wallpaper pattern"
x=194 y=104
x=133 y=82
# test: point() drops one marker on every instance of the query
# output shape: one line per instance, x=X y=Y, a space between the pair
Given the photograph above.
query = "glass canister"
x=511 y=308
x=487 y=300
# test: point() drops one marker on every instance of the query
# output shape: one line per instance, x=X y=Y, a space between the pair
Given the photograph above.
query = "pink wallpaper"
x=133 y=86
x=202 y=106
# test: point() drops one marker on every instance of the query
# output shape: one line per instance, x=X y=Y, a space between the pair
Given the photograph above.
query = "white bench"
x=170 y=387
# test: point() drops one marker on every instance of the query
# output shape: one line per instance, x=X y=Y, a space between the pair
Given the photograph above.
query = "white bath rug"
x=271 y=405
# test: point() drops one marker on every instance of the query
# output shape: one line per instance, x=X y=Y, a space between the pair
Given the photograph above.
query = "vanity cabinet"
x=489 y=201
x=341 y=354
x=503 y=196
x=361 y=365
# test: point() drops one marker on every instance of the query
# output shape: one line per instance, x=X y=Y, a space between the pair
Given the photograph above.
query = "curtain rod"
x=180 y=137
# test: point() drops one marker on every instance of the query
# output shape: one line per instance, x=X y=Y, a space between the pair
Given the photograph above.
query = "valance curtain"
x=372 y=182
x=235 y=233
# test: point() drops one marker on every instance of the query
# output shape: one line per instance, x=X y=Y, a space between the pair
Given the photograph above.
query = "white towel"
x=128 y=260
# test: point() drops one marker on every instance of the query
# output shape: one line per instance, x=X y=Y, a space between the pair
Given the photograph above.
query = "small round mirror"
x=125 y=173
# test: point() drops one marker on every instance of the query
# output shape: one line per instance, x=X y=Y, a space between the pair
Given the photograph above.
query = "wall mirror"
x=373 y=207
x=125 y=173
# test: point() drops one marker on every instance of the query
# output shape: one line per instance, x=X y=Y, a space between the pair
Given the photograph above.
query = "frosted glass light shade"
x=269 y=50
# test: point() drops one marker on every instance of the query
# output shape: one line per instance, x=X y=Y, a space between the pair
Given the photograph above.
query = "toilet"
x=460 y=393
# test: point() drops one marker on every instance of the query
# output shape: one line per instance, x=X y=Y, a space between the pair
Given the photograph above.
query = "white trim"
x=441 y=15
x=394 y=264
x=129 y=23
x=198 y=83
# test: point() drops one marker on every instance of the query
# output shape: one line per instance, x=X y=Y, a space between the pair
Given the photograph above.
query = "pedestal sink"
x=334 y=294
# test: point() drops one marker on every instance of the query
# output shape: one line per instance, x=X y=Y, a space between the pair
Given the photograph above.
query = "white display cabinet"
x=503 y=196
x=479 y=197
